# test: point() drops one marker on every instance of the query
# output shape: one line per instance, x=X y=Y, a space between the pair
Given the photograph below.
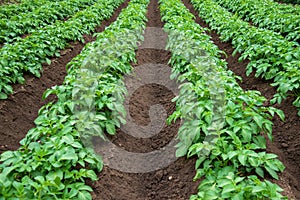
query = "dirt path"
x=173 y=182
x=18 y=112
x=286 y=134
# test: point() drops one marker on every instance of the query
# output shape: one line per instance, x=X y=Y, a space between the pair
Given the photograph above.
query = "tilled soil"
x=176 y=180
x=172 y=182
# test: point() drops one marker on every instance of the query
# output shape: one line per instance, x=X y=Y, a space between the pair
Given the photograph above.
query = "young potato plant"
x=27 y=55
x=269 y=53
x=232 y=161
x=52 y=162
x=25 y=23
x=281 y=18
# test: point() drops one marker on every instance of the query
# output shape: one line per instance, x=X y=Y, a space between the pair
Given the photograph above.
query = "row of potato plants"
x=7 y=11
x=267 y=14
x=269 y=53
x=48 y=13
x=52 y=162
x=28 y=54
x=232 y=159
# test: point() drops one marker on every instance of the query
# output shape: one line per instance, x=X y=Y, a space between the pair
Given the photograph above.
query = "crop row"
x=267 y=14
x=7 y=11
x=52 y=161
x=222 y=124
x=27 y=55
x=269 y=53
x=48 y=13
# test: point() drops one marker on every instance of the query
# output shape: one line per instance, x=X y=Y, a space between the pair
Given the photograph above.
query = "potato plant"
x=233 y=163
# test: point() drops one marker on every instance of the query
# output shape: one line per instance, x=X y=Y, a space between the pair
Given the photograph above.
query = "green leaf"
x=199 y=161
x=253 y=161
x=260 y=141
x=101 y=117
x=8 y=89
x=224 y=182
x=259 y=120
x=280 y=113
x=69 y=156
x=6 y=155
x=90 y=160
x=231 y=154
x=47 y=93
x=257 y=189
x=270 y=164
x=48 y=61
x=19 y=187
x=72 y=193
x=68 y=139
x=41 y=179
x=227 y=189
x=272 y=172
x=110 y=128
x=271 y=156
x=92 y=175
x=260 y=172
x=84 y=195
x=7 y=170
x=3 y=95
x=242 y=158
x=76 y=145
x=246 y=135
x=181 y=151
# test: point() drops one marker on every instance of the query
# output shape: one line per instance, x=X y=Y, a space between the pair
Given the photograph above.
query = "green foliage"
x=27 y=55
x=268 y=14
x=52 y=162
x=272 y=56
x=228 y=158
x=10 y=10
x=31 y=22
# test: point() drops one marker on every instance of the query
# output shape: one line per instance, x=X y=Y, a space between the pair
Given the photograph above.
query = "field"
x=149 y=99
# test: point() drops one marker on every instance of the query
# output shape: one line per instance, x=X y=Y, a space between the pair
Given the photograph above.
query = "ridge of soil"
x=284 y=133
x=172 y=182
x=18 y=112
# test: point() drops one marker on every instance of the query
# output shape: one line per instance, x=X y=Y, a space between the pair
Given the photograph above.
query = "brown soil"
x=175 y=181
x=286 y=142
x=172 y=182
x=19 y=111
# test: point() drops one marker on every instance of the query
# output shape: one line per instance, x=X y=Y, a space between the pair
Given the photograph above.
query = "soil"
x=172 y=182
x=286 y=142
x=175 y=181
